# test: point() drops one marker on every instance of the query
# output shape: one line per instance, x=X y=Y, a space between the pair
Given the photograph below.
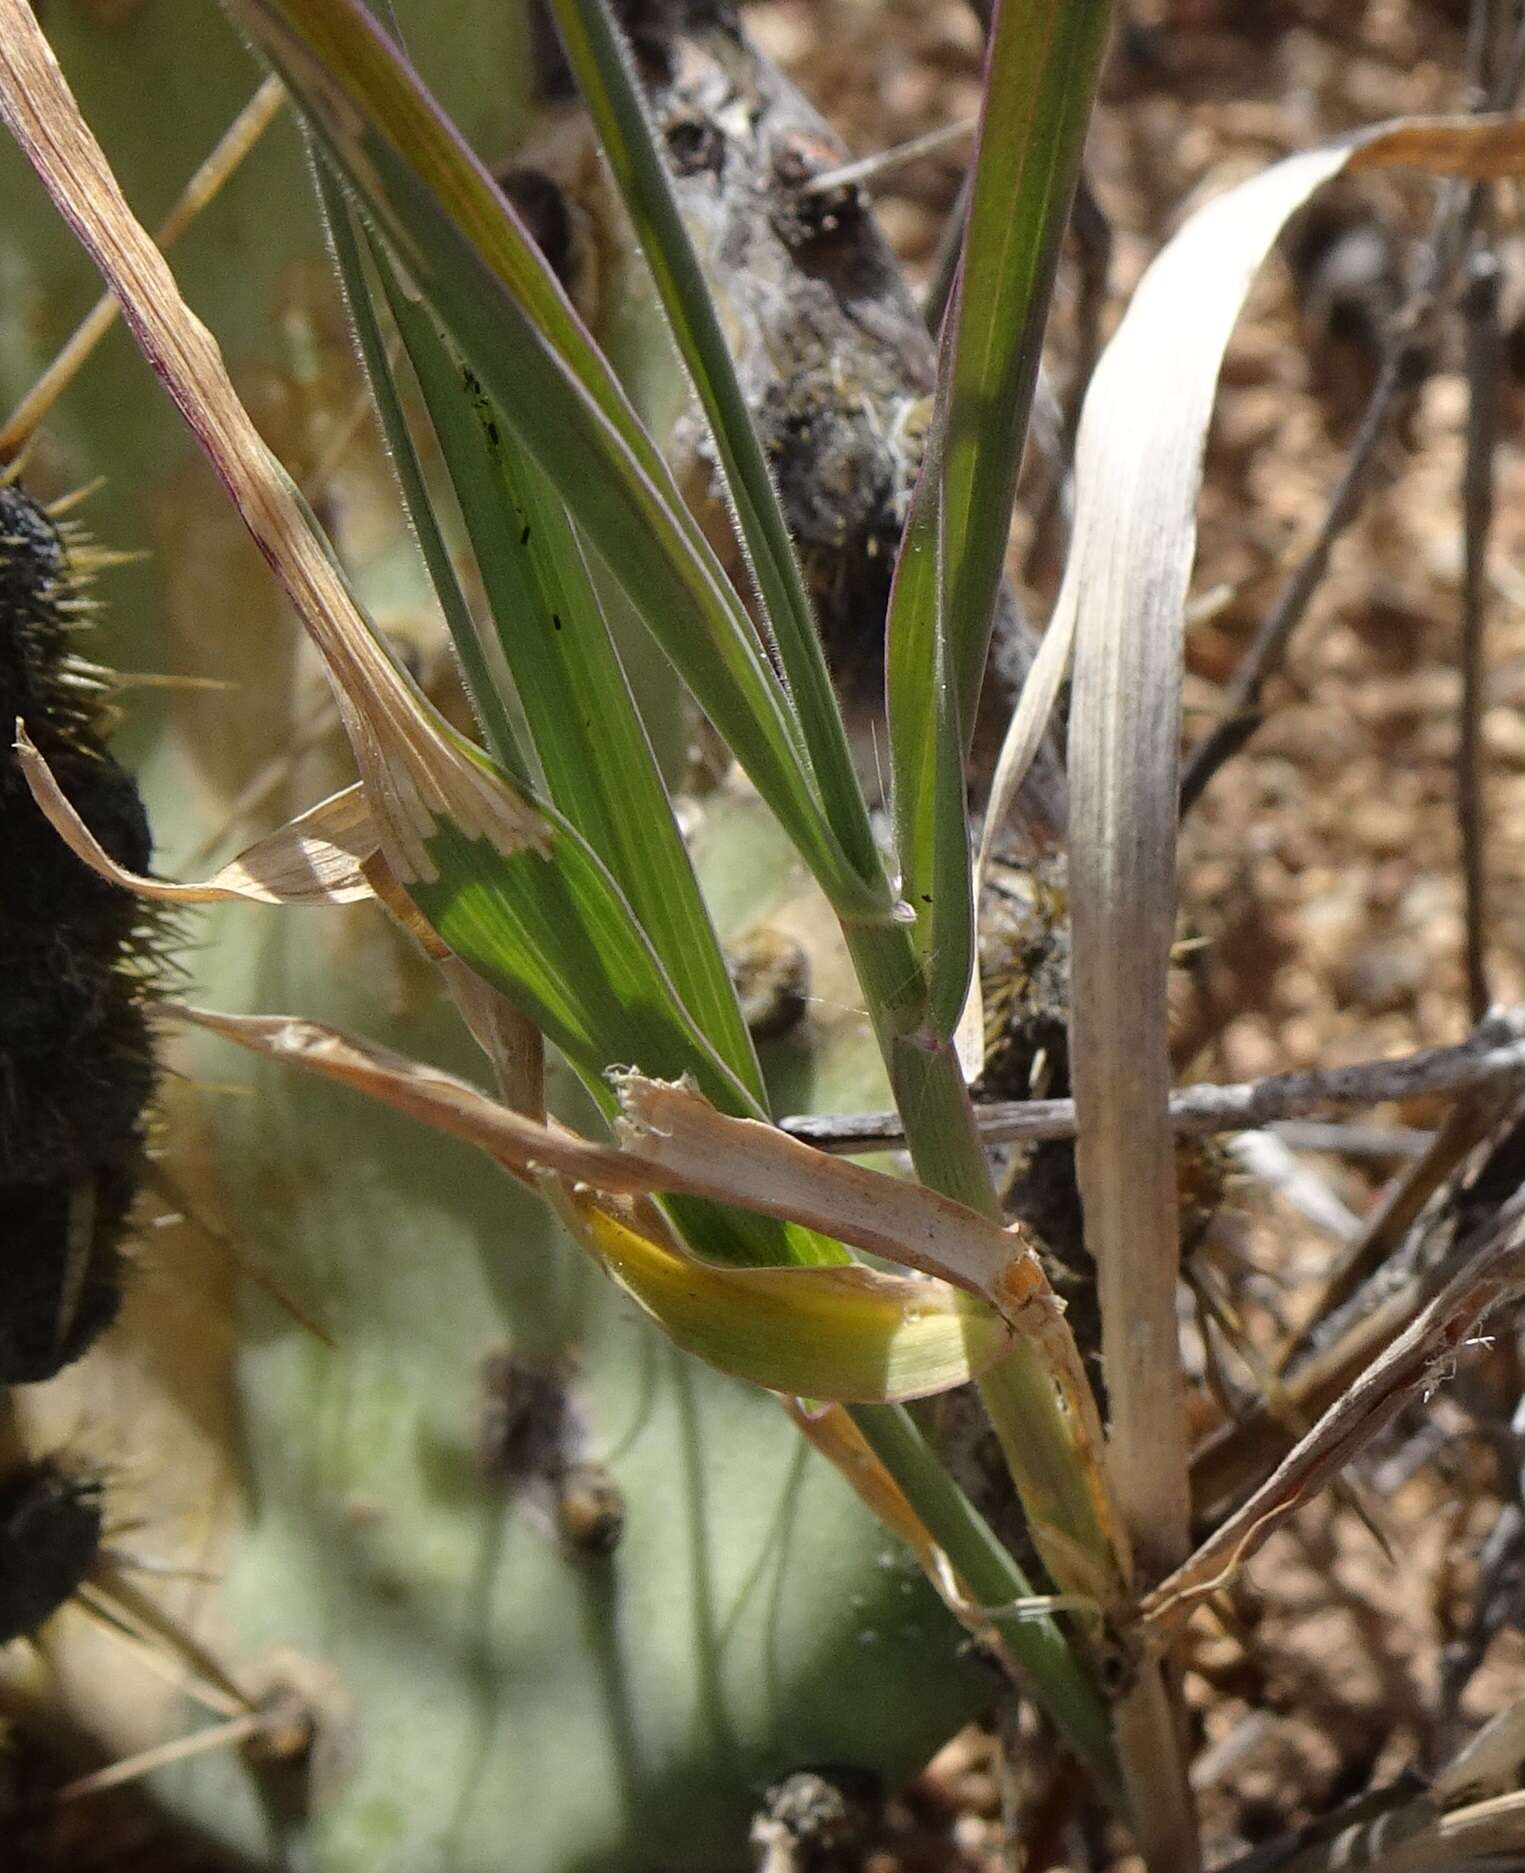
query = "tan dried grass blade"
x=317 y=858
x=675 y=1141
x=1152 y=395
x=232 y=147
x=1477 y=147
x=672 y=1126
x=1490 y=1762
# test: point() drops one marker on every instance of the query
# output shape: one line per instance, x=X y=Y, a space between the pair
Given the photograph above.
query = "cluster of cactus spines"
x=51 y=1523
x=76 y=1061
x=76 y=1056
x=533 y=1436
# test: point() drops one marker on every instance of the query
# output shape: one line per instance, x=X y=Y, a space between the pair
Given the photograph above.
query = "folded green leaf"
x=458 y=242
x=553 y=933
x=486 y=699
x=1043 y=64
x=927 y=752
x=590 y=745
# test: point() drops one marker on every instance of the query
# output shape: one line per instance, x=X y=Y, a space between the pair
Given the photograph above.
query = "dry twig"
x=1471 y=1808
x=1466 y=1125
x=1238 y=1457
x=1489 y=1270
x=1493 y=1056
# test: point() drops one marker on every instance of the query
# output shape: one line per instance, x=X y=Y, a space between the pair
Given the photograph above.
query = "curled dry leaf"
x=510 y=1040
x=1146 y=414
x=1489 y=1273
x=842 y=1332
x=1185 y=344
x=676 y=1142
x=320 y=857
x=754 y=1163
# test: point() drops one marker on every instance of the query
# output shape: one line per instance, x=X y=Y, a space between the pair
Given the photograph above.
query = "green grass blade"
x=488 y=704
x=604 y=72
x=1041 y=75
x=556 y=933
x=582 y=1007
x=597 y=763
x=479 y=860
x=1043 y=64
x=1059 y=1682
x=551 y=928
x=461 y=247
x=552 y=931
x=926 y=751
x=632 y=1011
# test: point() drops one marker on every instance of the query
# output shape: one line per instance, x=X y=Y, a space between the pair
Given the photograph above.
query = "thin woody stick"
x=1491 y=1271
x=1467 y=1124
x=1494 y=1053
x=227 y=1735
x=235 y=144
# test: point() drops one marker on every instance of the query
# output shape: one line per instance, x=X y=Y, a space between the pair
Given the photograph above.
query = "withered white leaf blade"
x=1138 y=472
